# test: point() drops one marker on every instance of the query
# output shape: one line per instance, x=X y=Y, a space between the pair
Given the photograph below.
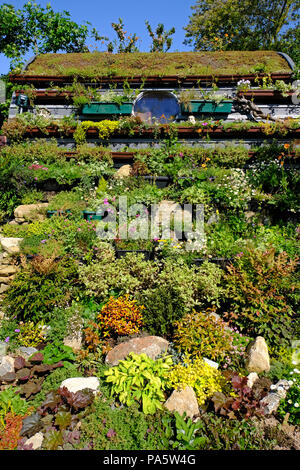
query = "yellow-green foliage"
x=202 y=334
x=140 y=379
x=105 y=129
x=204 y=379
x=30 y=334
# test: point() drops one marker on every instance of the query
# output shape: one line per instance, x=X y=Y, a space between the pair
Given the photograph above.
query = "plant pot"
x=90 y=215
x=57 y=212
x=159 y=181
x=147 y=254
x=207 y=106
x=107 y=108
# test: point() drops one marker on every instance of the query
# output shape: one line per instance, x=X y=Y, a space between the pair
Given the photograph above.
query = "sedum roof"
x=181 y=64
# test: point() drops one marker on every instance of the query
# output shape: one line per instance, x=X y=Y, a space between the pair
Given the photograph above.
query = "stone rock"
x=252 y=378
x=6 y=261
x=271 y=402
x=150 y=345
x=123 y=172
x=26 y=352
x=11 y=245
x=258 y=359
x=80 y=383
x=74 y=337
x=3 y=349
x=74 y=342
x=36 y=440
x=8 y=271
x=24 y=211
x=211 y=363
x=20 y=220
x=6 y=366
x=183 y=401
x=3 y=288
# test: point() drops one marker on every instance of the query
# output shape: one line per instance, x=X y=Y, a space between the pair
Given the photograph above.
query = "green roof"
x=182 y=64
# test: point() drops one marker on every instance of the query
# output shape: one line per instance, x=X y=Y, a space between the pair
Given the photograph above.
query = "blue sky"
x=102 y=13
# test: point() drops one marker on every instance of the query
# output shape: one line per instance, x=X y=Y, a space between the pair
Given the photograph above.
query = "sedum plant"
x=140 y=378
x=204 y=379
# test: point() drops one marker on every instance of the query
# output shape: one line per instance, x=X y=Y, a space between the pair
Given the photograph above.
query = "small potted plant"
x=145 y=247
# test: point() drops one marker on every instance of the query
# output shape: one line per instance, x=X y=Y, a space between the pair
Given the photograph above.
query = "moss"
x=103 y=64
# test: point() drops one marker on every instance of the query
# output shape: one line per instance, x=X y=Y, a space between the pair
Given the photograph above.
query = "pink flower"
x=7 y=339
x=111 y=433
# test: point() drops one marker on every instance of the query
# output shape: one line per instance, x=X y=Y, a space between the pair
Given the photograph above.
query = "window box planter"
x=107 y=108
x=183 y=132
x=159 y=181
x=266 y=95
x=90 y=215
x=207 y=106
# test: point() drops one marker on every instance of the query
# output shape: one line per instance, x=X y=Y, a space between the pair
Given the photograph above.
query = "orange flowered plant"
x=10 y=433
x=91 y=336
x=120 y=316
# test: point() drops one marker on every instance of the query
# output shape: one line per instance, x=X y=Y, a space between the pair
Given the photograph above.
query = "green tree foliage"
x=38 y=29
x=247 y=25
x=161 y=39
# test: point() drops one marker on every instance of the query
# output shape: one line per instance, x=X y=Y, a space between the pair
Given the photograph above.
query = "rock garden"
x=159 y=342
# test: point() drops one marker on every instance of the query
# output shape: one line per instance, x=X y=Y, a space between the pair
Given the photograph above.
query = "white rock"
x=36 y=441
x=80 y=383
x=8 y=270
x=123 y=172
x=252 y=378
x=213 y=364
x=25 y=210
x=11 y=245
x=183 y=401
x=7 y=364
x=258 y=359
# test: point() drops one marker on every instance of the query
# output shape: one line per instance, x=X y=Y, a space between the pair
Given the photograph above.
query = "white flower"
x=296 y=405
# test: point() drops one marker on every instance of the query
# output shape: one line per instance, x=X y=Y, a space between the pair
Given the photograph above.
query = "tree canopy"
x=246 y=25
x=38 y=29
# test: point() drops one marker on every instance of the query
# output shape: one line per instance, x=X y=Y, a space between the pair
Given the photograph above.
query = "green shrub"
x=201 y=334
x=108 y=427
x=140 y=378
x=261 y=294
x=39 y=287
